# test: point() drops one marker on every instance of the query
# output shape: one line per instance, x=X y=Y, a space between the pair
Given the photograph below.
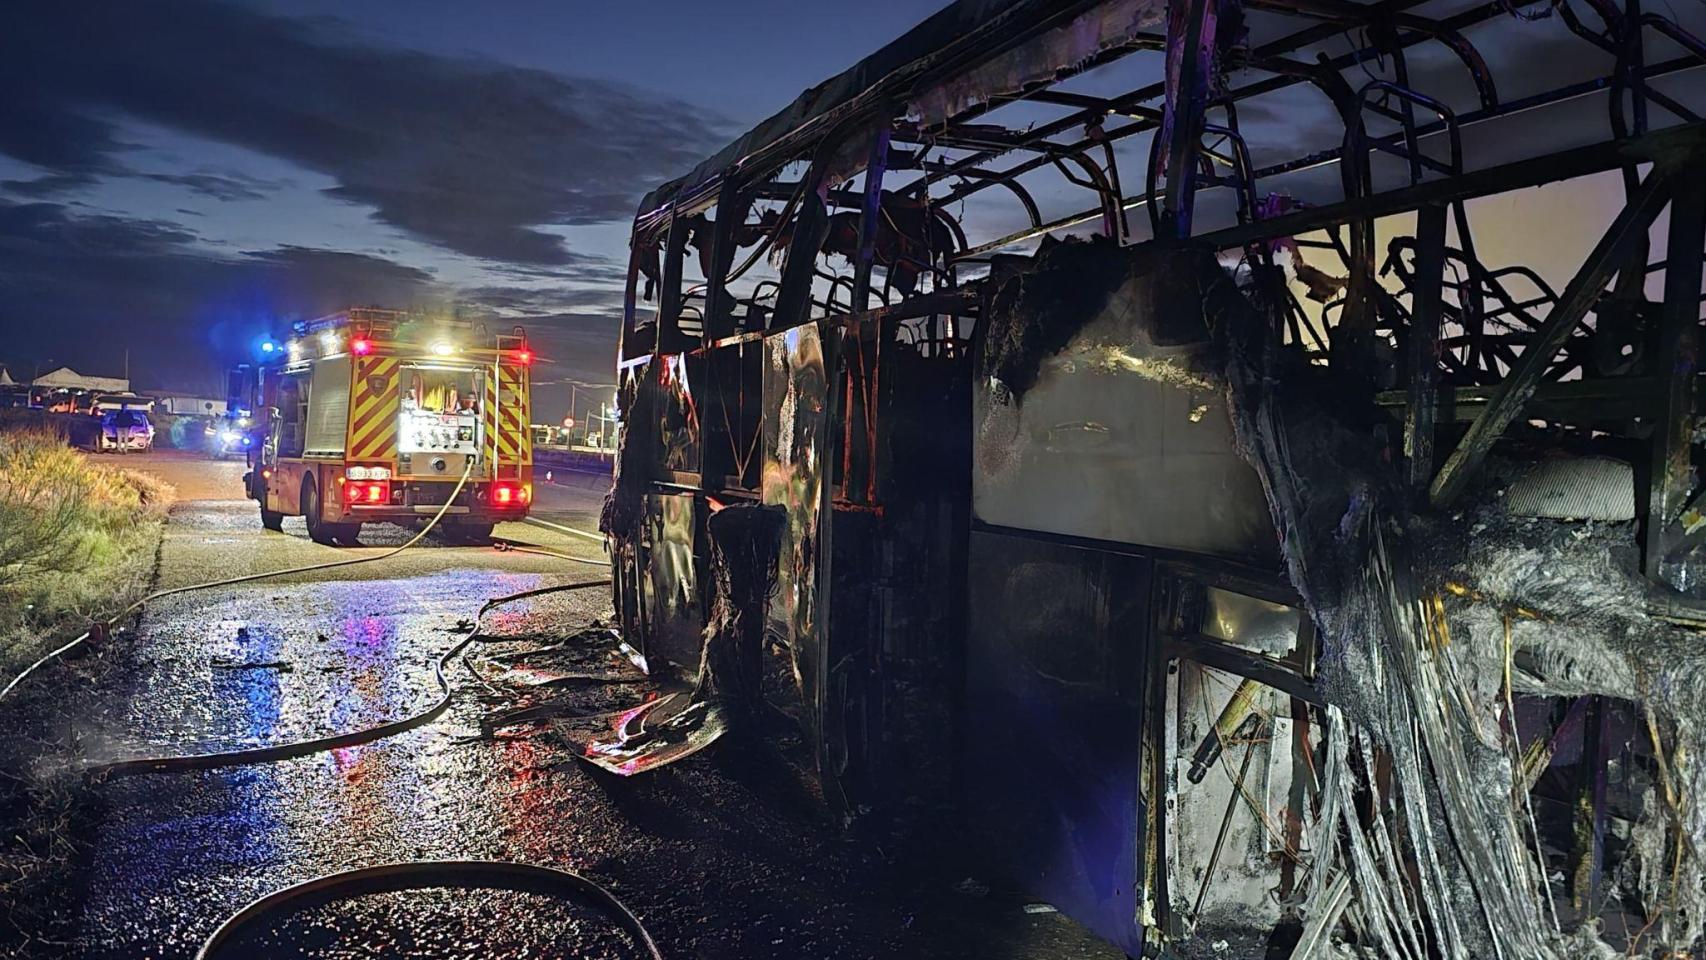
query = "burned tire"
x=271 y=519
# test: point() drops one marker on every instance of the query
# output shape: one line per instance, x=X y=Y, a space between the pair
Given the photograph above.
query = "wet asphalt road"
x=723 y=855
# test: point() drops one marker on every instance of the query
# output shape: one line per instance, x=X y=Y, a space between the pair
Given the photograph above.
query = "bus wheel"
x=479 y=534
x=271 y=519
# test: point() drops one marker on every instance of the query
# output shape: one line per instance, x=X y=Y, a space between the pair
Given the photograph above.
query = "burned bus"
x=1191 y=442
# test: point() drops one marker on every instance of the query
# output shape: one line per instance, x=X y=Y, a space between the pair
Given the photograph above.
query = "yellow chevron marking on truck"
x=373 y=410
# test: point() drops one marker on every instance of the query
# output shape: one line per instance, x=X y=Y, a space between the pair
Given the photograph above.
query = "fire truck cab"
x=374 y=416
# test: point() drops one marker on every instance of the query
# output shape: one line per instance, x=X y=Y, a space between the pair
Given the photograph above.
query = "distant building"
x=191 y=406
x=66 y=378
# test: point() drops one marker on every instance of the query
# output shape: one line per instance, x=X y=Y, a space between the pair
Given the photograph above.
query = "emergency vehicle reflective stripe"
x=373 y=410
x=515 y=443
x=489 y=413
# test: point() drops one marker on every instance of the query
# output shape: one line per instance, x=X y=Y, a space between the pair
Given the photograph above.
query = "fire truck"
x=375 y=416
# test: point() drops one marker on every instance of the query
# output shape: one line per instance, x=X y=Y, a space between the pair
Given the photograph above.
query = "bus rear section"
x=373 y=417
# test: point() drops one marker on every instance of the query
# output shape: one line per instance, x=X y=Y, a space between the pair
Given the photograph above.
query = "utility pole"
x=34 y=375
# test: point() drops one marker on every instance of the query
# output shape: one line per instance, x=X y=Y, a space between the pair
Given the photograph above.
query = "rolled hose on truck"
x=394 y=876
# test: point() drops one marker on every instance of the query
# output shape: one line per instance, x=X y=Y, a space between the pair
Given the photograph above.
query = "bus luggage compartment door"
x=1053 y=762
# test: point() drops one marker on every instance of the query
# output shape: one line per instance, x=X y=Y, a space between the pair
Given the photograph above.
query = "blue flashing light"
x=267 y=346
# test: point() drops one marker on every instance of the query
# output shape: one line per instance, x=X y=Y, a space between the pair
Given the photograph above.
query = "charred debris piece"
x=727 y=691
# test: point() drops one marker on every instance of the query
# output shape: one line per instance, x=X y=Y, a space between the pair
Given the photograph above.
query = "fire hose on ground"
x=394 y=876
x=124 y=614
x=302 y=748
x=422 y=874
x=408 y=875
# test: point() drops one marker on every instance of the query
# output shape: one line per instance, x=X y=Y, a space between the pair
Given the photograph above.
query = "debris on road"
x=279 y=665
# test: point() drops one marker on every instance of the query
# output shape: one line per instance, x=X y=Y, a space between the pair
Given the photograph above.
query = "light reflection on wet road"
x=722 y=856
x=267 y=663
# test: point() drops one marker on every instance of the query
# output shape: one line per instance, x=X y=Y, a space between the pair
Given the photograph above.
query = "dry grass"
x=77 y=543
x=76 y=540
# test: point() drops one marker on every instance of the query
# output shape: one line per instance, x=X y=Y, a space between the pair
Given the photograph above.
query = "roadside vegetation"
x=78 y=540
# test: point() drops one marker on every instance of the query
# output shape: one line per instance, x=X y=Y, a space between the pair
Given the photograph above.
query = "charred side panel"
x=1097 y=418
x=674 y=611
x=1101 y=440
x=796 y=395
x=1054 y=706
x=851 y=727
x=623 y=515
x=678 y=418
x=924 y=474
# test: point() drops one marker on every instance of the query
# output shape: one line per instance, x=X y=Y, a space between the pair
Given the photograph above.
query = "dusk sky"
x=177 y=176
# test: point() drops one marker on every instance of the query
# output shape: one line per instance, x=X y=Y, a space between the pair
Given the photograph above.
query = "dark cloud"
x=50 y=185
x=582 y=268
x=225 y=186
x=85 y=287
x=39 y=234
x=544 y=301
x=472 y=155
x=39 y=131
x=574 y=330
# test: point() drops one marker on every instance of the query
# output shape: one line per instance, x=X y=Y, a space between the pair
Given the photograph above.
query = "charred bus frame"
x=848 y=402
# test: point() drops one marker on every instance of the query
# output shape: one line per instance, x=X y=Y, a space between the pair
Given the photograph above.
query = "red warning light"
x=377 y=492
x=361 y=346
x=524 y=356
x=511 y=494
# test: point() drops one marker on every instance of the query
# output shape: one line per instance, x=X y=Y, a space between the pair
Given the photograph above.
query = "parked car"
x=126 y=430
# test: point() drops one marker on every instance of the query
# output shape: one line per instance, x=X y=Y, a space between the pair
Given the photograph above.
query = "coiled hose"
x=418 y=874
